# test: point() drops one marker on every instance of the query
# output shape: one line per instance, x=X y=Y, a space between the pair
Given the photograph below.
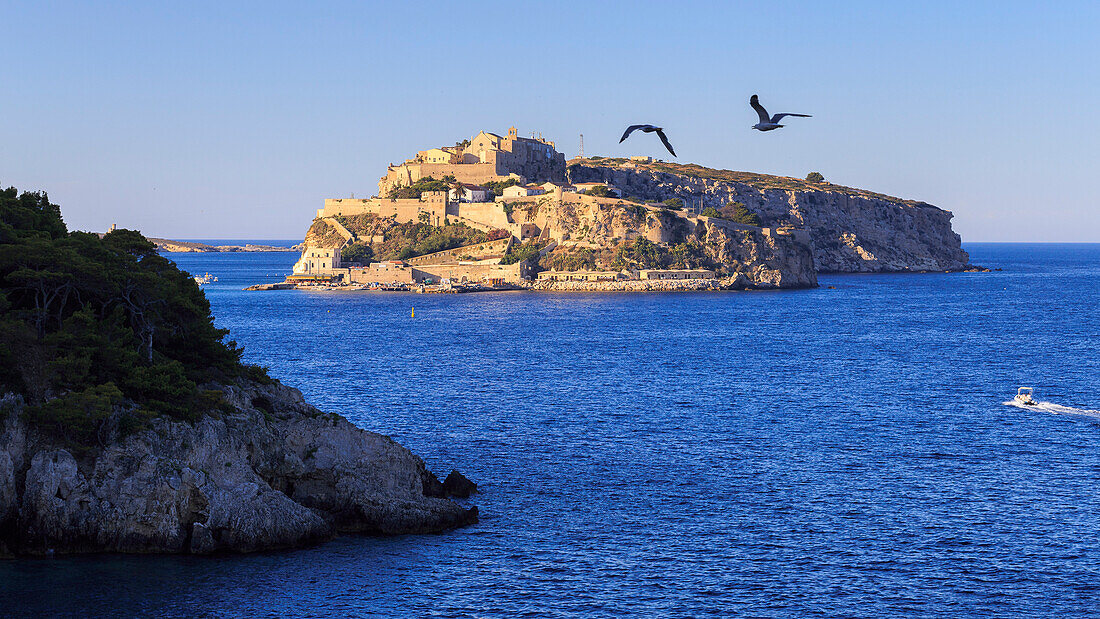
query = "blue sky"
x=235 y=120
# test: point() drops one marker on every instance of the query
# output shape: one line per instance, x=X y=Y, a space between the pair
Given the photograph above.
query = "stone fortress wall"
x=481 y=251
x=434 y=203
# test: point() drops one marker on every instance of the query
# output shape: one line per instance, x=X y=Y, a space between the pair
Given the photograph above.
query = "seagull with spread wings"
x=649 y=129
x=768 y=123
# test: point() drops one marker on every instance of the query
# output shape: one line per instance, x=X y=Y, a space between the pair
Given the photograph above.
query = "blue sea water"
x=835 y=451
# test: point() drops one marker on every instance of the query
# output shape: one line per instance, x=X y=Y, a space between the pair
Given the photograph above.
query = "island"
x=499 y=212
x=166 y=245
x=129 y=424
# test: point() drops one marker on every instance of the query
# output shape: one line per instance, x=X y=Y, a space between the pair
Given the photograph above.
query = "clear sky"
x=235 y=120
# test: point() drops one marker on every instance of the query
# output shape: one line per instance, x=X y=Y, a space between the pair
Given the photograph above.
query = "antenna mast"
x=582 y=146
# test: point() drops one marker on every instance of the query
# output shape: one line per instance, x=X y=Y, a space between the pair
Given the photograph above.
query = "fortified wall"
x=433 y=203
x=481 y=251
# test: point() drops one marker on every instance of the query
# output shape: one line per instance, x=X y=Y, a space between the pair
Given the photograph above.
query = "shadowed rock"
x=274 y=472
x=457 y=485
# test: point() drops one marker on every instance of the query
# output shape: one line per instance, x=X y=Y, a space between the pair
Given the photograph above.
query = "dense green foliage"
x=421 y=185
x=570 y=260
x=408 y=239
x=674 y=203
x=735 y=211
x=599 y=191
x=498 y=187
x=90 y=326
x=688 y=255
x=815 y=177
x=526 y=251
x=644 y=254
x=641 y=254
x=362 y=253
x=638 y=211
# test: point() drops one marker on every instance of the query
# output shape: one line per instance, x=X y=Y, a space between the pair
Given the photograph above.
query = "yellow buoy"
x=413 y=312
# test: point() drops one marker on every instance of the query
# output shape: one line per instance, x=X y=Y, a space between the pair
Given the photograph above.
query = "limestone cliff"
x=851 y=230
x=269 y=471
x=598 y=233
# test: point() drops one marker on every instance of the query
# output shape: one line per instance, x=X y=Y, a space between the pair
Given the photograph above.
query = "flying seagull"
x=649 y=129
x=766 y=123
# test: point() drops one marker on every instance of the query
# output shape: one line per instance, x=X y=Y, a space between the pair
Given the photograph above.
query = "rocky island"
x=129 y=424
x=497 y=212
x=166 y=245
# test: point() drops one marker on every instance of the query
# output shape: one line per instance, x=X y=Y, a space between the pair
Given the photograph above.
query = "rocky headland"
x=852 y=230
x=128 y=423
x=167 y=245
x=267 y=471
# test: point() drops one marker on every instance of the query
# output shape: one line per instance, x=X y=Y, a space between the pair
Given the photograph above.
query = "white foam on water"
x=1056 y=409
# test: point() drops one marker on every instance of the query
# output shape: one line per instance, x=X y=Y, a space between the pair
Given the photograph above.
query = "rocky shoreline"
x=737 y=282
x=269 y=471
x=166 y=245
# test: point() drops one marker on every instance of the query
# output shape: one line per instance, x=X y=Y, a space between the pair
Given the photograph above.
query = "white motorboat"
x=205 y=278
x=1024 y=396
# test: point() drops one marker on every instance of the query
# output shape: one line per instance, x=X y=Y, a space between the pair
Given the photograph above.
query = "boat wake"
x=1056 y=409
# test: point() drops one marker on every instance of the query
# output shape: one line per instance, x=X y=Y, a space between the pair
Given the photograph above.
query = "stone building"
x=471 y=193
x=519 y=191
x=487 y=157
x=317 y=260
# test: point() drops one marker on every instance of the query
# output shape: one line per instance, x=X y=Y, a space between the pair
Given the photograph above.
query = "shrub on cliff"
x=570 y=260
x=641 y=254
x=688 y=255
x=88 y=323
x=815 y=177
x=599 y=191
x=408 y=240
x=498 y=187
x=421 y=185
x=526 y=251
x=738 y=212
x=357 y=252
x=674 y=203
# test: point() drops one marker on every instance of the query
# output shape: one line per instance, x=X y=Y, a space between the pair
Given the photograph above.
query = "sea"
x=840 y=451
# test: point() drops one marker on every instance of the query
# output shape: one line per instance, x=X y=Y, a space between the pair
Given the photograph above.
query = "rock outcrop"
x=268 y=472
x=597 y=227
x=851 y=230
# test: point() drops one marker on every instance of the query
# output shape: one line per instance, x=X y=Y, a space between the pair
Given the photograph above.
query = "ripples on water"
x=831 y=451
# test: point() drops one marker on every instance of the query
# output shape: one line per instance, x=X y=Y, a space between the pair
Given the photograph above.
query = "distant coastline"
x=167 y=245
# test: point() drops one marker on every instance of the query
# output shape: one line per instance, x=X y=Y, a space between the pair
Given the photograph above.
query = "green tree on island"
x=815 y=177
x=102 y=332
x=527 y=251
x=498 y=187
x=600 y=191
x=641 y=254
x=741 y=214
x=362 y=253
x=421 y=185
